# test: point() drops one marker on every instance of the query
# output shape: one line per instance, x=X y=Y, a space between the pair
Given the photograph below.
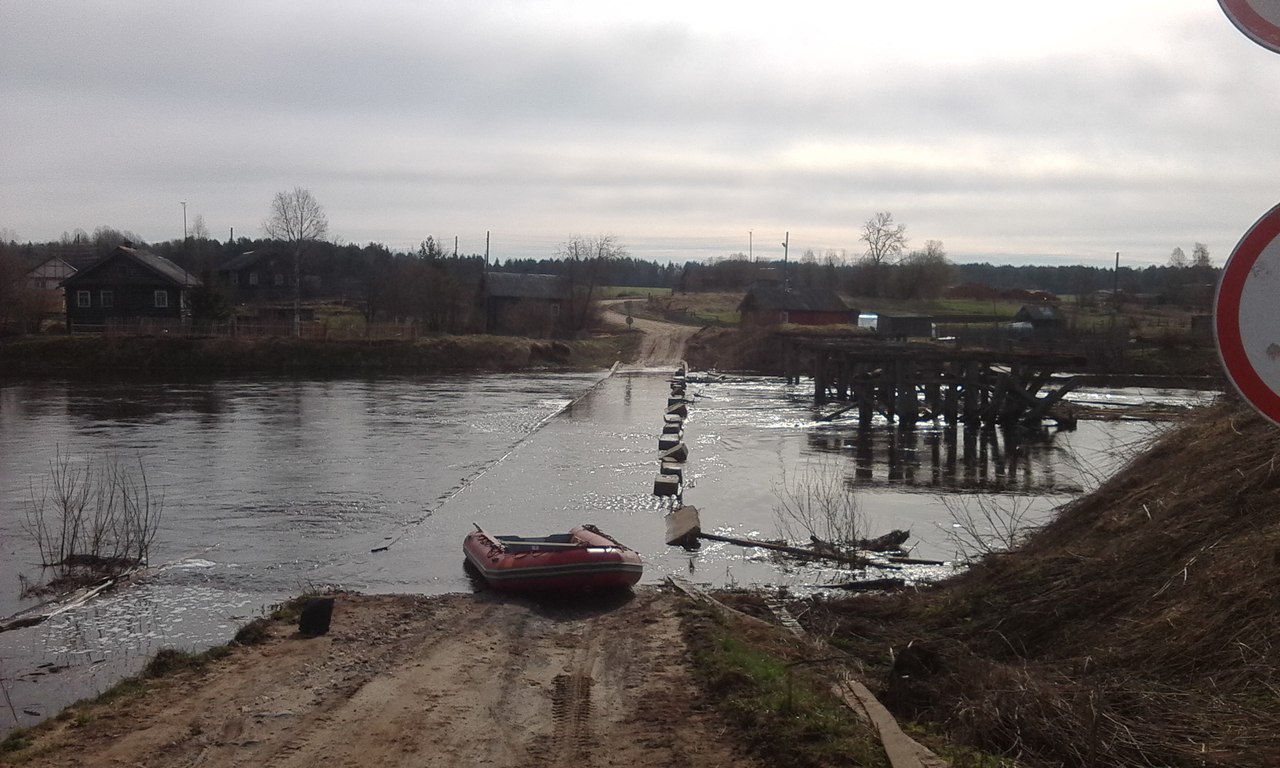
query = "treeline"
x=437 y=288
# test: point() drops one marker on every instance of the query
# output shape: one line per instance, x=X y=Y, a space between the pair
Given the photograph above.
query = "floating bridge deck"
x=910 y=382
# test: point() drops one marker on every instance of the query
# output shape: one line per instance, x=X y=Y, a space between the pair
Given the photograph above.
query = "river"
x=274 y=487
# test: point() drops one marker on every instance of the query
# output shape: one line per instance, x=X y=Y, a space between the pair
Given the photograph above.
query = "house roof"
x=774 y=296
x=1034 y=312
x=516 y=285
x=158 y=264
x=246 y=259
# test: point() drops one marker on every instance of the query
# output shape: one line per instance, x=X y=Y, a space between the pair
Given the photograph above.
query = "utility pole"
x=1115 y=296
x=455 y=246
x=184 y=221
x=786 y=246
x=750 y=254
x=486 y=249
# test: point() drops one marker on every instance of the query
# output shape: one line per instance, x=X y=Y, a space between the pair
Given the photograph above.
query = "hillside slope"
x=1140 y=627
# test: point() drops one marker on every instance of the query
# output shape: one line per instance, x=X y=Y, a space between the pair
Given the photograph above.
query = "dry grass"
x=1138 y=628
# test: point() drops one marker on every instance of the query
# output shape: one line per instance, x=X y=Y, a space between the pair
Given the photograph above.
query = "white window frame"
x=160 y=299
x=107 y=298
x=84 y=299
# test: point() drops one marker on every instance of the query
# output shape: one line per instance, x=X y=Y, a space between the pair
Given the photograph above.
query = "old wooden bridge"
x=909 y=382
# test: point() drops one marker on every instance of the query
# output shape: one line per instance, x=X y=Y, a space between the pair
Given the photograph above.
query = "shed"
x=905 y=326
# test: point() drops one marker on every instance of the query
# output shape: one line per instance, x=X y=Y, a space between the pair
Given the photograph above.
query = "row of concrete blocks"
x=673 y=451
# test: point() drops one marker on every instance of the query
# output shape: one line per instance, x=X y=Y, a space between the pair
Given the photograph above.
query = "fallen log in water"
x=870 y=585
x=684 y=529
x=797 y=551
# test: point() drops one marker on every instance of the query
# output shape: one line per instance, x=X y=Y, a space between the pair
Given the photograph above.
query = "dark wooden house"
x=1044 y=319
x=771 y=303
x=258 y=277
x=528 y=305
x=126 y=284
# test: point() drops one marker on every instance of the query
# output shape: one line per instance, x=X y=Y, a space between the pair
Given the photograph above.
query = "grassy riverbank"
x=95 y=355
x=1138 y=627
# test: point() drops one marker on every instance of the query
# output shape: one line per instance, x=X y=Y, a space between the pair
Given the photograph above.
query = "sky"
x=1013 y=132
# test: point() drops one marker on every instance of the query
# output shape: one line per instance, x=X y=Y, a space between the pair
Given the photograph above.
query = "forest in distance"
x=347 y=270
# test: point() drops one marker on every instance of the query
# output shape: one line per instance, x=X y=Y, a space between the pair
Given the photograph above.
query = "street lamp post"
x=184 y=221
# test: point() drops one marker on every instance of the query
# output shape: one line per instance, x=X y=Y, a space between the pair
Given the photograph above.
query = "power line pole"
x=786 y=246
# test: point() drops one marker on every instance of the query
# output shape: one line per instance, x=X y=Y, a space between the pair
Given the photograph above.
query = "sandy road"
x=415 y=681
x=663 y=344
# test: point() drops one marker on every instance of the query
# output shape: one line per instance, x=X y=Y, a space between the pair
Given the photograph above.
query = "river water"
x=279 y=486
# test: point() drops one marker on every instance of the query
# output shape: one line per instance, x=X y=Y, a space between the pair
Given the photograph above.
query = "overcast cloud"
x=1013 y=132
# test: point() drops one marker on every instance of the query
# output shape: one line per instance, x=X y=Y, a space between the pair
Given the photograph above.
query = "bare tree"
x=1178 y=258
x=1200 y=256
x=817 y=501
x=199 y=230
x=19 y=302
x=297 y=219
x=93 y=520
x=585 y=257
x=984 y=525
x=922 y=274
x=885 y=243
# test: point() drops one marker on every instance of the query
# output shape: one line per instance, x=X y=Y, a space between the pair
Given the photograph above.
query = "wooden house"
x=128 y=283
x=257 y=278
x=1044 y=319
x=772 y=303
x=526 y=304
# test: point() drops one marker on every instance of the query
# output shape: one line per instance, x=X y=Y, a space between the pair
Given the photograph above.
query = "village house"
x=1044 y=319
x=773 y=303
x=257 y=277
x=129 y=283
x=525 y=304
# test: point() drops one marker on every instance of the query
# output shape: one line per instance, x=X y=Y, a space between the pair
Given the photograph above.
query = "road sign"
x=1246 y=316
x=1258 y=19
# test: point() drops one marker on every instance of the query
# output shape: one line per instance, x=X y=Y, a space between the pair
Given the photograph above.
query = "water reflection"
x=951 y=460
x=125 y=402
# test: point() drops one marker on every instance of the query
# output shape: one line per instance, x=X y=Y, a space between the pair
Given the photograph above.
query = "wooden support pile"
x=908 y=383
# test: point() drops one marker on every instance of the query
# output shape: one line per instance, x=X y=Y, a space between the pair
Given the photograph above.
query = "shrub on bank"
x=73 y=355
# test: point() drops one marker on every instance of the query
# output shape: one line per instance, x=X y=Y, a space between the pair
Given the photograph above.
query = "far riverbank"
x=64 y=356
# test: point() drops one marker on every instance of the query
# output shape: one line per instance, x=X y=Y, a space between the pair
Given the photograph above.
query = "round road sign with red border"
x=1258 y=19
x=1246 y=316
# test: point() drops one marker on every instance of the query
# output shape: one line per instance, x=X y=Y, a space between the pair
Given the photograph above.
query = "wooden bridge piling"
x=907 y=383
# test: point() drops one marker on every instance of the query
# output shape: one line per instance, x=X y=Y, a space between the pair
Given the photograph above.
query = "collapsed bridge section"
x=910 y=382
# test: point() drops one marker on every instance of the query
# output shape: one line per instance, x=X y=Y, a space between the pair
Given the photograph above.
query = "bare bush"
x=982 y=524
x=817 y=502
x=93 y=519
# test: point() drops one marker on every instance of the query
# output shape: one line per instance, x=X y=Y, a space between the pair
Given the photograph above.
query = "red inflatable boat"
x=583 y=558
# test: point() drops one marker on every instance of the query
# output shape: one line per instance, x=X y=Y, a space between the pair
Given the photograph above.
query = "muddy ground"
x=425 y=681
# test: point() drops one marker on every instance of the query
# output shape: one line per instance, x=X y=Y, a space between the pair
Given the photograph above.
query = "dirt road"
x=416 y=681
x=663 y=344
